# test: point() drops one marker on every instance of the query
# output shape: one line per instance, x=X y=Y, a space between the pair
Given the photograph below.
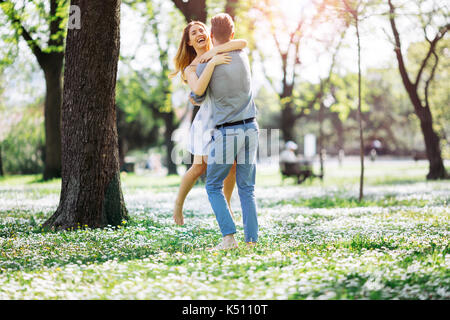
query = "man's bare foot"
x=228 y=242
x=178 y=214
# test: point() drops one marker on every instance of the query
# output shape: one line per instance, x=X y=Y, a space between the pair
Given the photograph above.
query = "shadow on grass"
x=350 y=202
x=399 y=181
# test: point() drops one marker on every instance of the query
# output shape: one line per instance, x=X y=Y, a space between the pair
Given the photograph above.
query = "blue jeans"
x=240 y=143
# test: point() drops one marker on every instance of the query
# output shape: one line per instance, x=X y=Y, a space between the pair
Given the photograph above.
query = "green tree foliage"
x=24 y=145
x=439 y=89
x=148 y=90
x=42 y=25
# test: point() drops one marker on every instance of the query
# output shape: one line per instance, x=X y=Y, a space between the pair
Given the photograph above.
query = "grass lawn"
x=316 y=241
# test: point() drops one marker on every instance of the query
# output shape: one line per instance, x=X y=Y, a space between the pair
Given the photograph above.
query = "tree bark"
x=432 y=147
x=288 y=119
x=52 y=65
x=91 y=193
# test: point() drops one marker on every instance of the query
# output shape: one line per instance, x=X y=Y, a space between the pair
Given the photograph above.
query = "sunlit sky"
x=376 y=52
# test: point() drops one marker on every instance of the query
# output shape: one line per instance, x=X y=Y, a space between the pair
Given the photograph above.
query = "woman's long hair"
x=186 y=53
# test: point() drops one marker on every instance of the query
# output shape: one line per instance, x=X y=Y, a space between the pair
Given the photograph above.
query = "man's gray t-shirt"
x=230 y=90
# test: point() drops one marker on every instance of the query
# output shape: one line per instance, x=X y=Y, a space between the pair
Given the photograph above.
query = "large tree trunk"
x=52 y=69
x=288 y=119
x=120 y=115
x=91 y=192
x=432 y=146
x=338 y=127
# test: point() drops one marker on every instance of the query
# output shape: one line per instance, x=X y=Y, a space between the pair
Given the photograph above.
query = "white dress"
x=202 y=129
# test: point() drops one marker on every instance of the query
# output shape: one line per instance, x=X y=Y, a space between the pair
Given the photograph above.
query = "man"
x=235 y=136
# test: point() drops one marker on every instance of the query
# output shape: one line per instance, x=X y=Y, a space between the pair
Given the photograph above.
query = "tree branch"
x=398 y=52
x=265 y=72
x=296 y=43
x=54 y=26
x=431 y=51
x=430 y=78
x=32 y=44
x=230 y=7
x=192 y=9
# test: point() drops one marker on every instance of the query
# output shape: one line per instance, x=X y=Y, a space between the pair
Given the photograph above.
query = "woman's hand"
x=222 y=58
x=208 y=55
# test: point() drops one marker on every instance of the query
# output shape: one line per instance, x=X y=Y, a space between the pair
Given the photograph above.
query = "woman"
x=196 y=47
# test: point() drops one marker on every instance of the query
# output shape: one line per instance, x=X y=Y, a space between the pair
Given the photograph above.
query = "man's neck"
x=218 y=43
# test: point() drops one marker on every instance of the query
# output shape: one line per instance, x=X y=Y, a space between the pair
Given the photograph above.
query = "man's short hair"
x=222 y=26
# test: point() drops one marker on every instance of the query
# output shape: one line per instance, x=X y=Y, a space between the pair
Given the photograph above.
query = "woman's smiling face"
x=198 y=37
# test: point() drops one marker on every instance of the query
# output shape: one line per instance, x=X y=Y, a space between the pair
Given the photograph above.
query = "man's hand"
x=221 y=58
x=195 y=103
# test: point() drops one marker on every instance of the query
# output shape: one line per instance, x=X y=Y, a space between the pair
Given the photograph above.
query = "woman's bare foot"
x=178 y=214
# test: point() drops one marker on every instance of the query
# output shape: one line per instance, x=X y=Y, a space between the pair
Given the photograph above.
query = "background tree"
x=91 y=193
x=232 y=8
x=354 y=10
x=192 y=9
x=1 y=162
x=288 y=41
x=325 y=101
x=150 y=86
x=23 y=140
x=52 y=24
x=421 y=102
x=438 y=94
x=2 y=114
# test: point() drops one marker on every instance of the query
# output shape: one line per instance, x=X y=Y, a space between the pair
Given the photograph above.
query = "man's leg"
x=220 y=160
x=245 y=179
x=215 y=175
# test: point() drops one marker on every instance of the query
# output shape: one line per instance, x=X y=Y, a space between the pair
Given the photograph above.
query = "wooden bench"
x=301 y=170
x=419 y=155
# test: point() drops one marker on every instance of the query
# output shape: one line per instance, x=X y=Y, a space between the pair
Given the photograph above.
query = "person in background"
x=288 y=154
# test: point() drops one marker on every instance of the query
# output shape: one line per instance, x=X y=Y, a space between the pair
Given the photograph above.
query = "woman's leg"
x=190 y=177
x=228 y=186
